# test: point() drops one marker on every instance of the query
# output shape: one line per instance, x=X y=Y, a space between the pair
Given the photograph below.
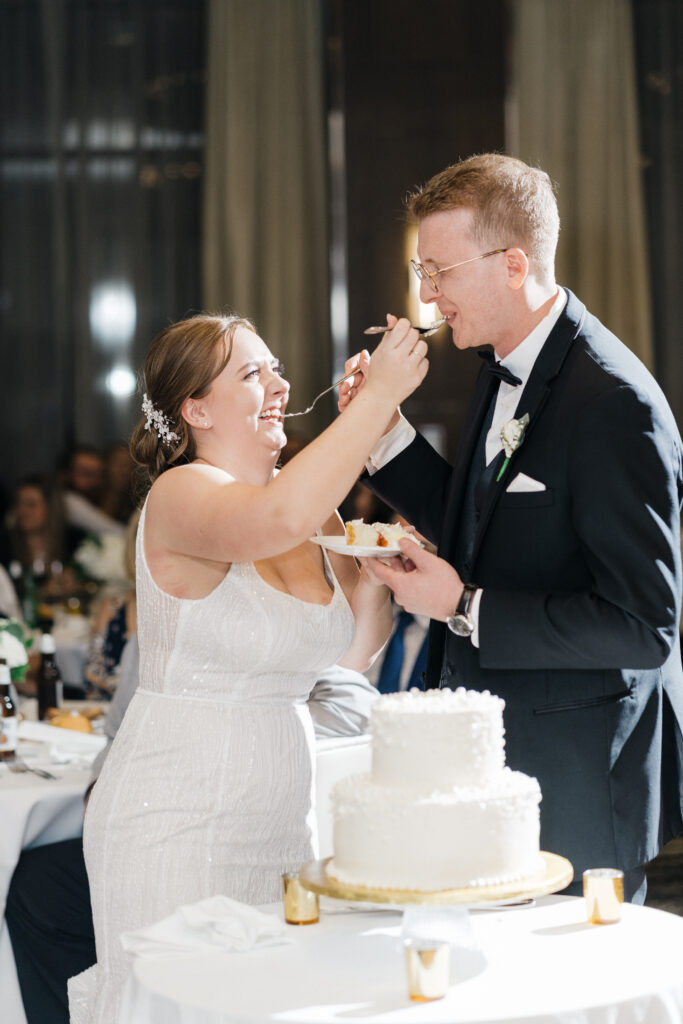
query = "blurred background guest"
x=83 y=478
x=37 y=541
x=113 y=623
x=117 y=498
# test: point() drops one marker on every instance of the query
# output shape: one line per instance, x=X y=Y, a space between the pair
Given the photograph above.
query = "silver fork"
x=19 y=767
x=424 y=331
x=322 y=393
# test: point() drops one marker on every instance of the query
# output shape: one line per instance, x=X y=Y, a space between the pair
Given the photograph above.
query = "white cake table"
x=538 y=965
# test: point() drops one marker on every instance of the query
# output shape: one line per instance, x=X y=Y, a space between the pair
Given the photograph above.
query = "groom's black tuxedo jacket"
x=579 y=618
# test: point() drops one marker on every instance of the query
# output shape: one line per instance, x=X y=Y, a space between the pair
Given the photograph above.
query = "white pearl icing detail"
x=439 y=809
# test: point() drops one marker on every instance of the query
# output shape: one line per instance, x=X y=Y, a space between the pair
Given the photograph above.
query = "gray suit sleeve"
x=340 y=703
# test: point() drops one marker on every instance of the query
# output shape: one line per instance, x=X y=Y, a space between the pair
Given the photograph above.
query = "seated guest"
x=49 y=915
x=48 y=909
x=117 y=498
x=340 y=703
x=114 y=622
x=82 y=476
x=37 y=541
x=403 y=661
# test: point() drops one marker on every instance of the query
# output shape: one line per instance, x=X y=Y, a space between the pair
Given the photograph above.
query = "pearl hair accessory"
x=158 y=421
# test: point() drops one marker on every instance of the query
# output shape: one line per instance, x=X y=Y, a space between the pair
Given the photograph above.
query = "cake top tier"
x=438 y=739
x=438 y=702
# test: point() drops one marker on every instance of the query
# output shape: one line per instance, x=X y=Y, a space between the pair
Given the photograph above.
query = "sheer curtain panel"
x=572 y=111
x=265 y=239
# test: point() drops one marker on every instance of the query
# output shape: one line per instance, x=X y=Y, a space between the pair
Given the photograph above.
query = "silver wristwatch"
x=461 y=622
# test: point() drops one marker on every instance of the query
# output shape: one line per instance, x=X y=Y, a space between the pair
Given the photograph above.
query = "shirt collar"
x=521 y=360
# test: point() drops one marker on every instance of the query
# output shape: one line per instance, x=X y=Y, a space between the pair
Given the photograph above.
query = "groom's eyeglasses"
x=429 y=275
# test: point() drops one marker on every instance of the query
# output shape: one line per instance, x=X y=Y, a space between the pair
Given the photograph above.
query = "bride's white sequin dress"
x=208 y=786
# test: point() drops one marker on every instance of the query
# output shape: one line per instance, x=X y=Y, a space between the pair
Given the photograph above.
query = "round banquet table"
x=536 y=965
x=33 y=812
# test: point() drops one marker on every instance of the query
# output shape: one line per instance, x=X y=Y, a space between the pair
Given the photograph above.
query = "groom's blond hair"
x=512 y=204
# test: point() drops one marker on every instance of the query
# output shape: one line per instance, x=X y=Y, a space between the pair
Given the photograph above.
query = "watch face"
x=461 y=625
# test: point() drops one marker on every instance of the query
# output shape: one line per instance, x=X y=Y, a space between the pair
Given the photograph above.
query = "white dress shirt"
x=520 y=362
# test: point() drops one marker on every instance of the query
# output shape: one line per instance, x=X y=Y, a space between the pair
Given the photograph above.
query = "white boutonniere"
x=512 y=435
x=102 y=558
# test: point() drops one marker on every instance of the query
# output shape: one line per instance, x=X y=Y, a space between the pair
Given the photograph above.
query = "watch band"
x=460 y=621
x=466 y=598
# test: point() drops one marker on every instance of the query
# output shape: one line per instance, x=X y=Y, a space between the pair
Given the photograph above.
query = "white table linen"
x=36 y=811
x=335 y=759
x=543 y=964
x=33 y=811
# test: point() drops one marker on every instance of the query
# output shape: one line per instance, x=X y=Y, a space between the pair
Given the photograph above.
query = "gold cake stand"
x=555 y=873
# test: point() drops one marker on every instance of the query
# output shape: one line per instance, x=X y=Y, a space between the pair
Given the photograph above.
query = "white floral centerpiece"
x=102 y=558
x=14 y=644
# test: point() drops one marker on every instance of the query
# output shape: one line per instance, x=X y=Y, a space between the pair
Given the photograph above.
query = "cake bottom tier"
x=393 y=838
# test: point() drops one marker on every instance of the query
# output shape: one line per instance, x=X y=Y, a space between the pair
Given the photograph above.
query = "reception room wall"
x=102 y=148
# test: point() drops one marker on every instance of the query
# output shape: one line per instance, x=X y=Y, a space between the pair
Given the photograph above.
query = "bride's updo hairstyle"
x=182 y=362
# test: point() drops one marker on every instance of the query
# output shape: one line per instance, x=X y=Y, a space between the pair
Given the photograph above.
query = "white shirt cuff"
x=474 y=615
x=391 y=444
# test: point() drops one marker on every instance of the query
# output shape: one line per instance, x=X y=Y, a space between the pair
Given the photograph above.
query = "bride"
x=208 y=786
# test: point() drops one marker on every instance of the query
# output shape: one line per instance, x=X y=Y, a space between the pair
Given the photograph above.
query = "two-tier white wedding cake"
x=439 y=809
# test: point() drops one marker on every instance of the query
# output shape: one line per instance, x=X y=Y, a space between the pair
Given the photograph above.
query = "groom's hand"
x=423 y=583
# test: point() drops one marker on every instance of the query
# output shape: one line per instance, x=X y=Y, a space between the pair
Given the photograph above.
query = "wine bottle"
x=49 y=679
x=8 y=716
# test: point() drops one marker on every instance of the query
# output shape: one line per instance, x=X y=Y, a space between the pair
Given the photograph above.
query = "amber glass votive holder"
x=603 y=890
x=301 y=905
x=427 y=969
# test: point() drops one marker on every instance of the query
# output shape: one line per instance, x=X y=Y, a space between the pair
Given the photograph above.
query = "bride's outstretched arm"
x=206 y=514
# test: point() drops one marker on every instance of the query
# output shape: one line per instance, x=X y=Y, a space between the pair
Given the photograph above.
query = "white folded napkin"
x=68 y=741
x=217 y=923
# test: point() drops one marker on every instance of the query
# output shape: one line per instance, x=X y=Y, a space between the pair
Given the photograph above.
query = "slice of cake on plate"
x=382 y=535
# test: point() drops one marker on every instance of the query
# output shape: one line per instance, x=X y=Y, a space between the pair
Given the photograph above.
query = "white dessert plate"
x=337 y=543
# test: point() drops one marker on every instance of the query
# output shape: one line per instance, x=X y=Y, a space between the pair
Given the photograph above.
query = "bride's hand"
x=398 y=365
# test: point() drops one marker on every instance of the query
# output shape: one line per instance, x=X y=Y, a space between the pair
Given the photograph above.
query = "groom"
x=557 y=583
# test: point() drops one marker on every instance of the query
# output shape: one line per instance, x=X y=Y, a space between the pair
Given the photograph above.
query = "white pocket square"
x=523 y=484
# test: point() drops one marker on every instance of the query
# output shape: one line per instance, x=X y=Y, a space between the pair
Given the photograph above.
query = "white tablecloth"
x=543 y=964
x=335 y=759
x=33 y=811
x=36 y=811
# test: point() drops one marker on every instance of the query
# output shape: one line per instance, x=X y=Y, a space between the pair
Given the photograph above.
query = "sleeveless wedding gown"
x=208 y=786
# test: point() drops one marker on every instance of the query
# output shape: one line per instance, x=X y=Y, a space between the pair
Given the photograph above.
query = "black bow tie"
x=497 y=369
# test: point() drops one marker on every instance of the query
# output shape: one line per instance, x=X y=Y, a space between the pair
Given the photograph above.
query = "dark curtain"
x=659 y=59
x=101 y=114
